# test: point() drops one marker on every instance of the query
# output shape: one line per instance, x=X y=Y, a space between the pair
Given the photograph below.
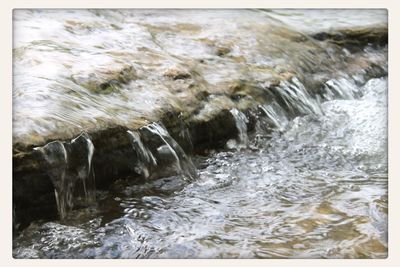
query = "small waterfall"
x=297 y=99
x=276 y=115
x=68 y=162
x=340 y=89
x=56 y=156
x=183 y=163
x=241 y=125
x=83 y=146
x=184 y=132
x=145 y=157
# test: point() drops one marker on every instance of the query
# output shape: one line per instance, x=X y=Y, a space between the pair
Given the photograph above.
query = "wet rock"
x=238 y=97
x=202 y=95
x=222 y=51
x=114 y=157
x=33 y=188
x=164 y=153
x=251 y=115
x=211 y=74
x=177 y=74
x=168 y=163
x=214 y=132
x=355 y=39
x=107 y=81
x=177 y=125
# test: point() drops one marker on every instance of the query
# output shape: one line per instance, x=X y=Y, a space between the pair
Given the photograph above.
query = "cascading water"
x=297 y=99
x=145 y=156
x=68 y=162
x=276 y=116
x=82 y=151
x=56 y=157
x=310 y=181
x=319 y=189
x=182 y=162
x=184 y=133
x=341 y=88
x=241 y=126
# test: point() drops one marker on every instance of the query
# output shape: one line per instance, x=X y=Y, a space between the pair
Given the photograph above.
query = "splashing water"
x=66 y=75
x=276 y=115
x=319 y=189
x=314 y=186
x=297 y=99
x=340 y=89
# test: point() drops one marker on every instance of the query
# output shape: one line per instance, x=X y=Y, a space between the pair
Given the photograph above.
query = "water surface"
x=316 y=189
x=310 y=184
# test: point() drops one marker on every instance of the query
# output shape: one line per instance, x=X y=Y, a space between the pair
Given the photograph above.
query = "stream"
x=314 y=185
x=317 y=188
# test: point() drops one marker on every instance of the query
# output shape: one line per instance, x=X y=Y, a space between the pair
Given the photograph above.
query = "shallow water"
x=316 y=187
x=78 y=70
x=314 y=20
x=310 y=182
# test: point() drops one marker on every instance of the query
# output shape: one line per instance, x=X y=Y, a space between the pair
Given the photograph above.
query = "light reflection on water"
x=319 y=189
x=61 y=56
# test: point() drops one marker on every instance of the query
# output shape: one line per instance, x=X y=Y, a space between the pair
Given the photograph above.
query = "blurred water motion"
x=310 y=187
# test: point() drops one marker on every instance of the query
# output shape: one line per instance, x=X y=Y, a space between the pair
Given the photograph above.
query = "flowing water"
x=182 y=163
x=81 y=70
x=318 y=189
x=146 y=157
x=67 y=163
x=310 y=182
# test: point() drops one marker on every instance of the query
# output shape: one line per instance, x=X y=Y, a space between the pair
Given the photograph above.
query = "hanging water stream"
x=317 y=189
x=309 y=181
x=66 y=164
